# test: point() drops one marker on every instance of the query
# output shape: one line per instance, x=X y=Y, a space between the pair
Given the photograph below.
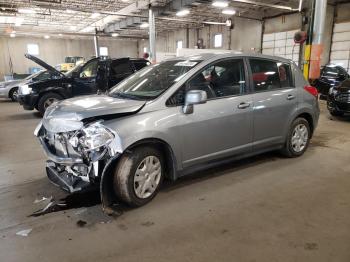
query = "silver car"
x=173 y=118
x=9 y=89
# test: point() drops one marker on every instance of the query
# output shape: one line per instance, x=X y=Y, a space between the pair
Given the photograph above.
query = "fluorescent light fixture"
x=220 y=4
x=95 y=15
x=26 y=11
x=183 y=12
x=114 y=34
x=46 y=36
x=229 y=11
x=70 y=11
x=144 y=25
x=59 y=34
x=13 y=34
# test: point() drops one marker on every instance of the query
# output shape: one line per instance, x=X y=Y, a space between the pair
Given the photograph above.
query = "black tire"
x=44 y=101
x=125 y=173
x=336 y=113
x=289 y=150
x=13 y=94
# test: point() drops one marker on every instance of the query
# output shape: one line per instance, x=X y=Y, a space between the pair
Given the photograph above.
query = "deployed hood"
x=43 y=64
x=68 y=114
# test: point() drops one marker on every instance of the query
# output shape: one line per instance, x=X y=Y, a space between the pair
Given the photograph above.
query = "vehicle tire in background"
x=298 y=138
x=138 y=176
x=46 y=100
x=13 y=94
x=336 y=113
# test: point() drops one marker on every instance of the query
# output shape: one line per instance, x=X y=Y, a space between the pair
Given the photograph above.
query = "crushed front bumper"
x=335 y=105
x=28 y=101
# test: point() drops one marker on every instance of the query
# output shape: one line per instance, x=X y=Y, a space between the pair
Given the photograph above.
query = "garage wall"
x=340 y=50
x=246 y=37
x=53 y=50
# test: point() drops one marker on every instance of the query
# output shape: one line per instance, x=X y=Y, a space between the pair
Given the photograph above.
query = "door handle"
x=243 y=105
x=290 y=97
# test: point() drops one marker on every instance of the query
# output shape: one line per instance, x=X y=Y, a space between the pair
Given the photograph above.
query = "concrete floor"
x=262 y=209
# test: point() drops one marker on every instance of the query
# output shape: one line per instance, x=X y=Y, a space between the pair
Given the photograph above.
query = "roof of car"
x=225 y=54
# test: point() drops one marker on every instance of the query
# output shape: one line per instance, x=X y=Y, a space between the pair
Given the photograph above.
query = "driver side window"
x=89 y=70
x=221 y=79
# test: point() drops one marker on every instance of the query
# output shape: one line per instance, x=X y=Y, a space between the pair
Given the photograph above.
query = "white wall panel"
x=340 y=49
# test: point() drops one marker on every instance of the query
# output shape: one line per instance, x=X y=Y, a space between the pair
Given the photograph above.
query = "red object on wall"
x=300 y=37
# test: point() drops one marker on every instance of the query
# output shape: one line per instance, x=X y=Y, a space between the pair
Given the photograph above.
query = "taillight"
x=312 y=90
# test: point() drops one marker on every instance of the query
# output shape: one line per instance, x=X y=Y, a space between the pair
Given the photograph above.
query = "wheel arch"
x=308 y=117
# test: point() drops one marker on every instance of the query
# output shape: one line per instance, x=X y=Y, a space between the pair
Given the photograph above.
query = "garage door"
x=281 y=44
x=340 y=50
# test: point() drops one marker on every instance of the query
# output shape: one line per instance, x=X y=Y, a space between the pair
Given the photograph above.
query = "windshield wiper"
x=125 y=95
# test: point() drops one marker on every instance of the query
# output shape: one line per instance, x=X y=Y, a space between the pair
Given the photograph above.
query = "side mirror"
x=194 y=97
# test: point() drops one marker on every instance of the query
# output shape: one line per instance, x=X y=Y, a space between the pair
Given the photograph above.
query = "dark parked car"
x=331 y=76
x=95 y=75
x=338 y=101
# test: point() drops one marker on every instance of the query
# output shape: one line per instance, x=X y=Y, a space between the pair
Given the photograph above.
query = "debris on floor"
x=36 y=201
x=24 y=233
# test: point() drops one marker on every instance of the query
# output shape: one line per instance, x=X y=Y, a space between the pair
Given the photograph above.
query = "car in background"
x=331 y=76
x=338 y=101
x=9 y=89
x=95 y=75
x=175 y=117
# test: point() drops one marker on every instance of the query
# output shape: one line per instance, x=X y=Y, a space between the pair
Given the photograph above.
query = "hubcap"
x=147 y=177
x=49 y=102
x=299 y=138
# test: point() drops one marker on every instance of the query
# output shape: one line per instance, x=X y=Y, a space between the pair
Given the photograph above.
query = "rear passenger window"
x=121 y=68
x=269 y=75
x=139 y=64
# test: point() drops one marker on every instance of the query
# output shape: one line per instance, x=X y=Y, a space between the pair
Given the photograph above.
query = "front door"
x=223 y=125
x=86 y=82
x=275 y=101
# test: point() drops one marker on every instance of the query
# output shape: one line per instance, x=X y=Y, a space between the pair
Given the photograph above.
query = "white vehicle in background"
x=9 y=89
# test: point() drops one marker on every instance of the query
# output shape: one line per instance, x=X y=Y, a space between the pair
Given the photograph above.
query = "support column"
x=152 y=35
x=97 y=49
x=317 y=39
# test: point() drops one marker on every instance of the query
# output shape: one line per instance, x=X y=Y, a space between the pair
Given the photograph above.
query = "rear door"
x=223 y=125
x=275 y=100
x=119 y=70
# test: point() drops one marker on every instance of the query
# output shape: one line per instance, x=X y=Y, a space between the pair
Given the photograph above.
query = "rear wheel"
x=13 y=94
x=138 y=176
x=46 y=100
x=298 y=138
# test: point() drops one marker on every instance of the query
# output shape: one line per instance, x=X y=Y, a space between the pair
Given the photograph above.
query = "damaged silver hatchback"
x=175 y=117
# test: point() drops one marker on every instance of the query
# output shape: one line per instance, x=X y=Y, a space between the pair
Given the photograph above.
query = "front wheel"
x=46 y=100
x=13 y=94
x=298 y=138
x=138 y=176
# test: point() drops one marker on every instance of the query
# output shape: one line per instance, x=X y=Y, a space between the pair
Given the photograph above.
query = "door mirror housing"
x=194 y=97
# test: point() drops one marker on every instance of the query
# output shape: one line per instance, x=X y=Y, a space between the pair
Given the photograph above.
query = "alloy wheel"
x=49 y=102
x=300 y=138
x=147 y=177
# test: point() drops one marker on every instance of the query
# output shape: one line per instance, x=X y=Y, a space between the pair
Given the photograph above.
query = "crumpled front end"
x=77 y=153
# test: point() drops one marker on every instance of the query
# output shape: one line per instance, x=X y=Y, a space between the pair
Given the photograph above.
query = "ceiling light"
x=70 y=11
x=95 y=15
x=183 y=12
x=228 y=11
x=144 y=25
x=73 y=27
x=220 y=4
x=19 y=21
x=114 y=34
x=13 y=34
x=26 y=11
x=46 y=36
x=59 y=34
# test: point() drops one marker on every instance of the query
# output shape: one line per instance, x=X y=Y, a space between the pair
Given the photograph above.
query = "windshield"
x=153 y=80
x=74 y=69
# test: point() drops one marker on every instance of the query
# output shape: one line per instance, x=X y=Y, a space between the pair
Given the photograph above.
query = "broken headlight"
x=92 y=137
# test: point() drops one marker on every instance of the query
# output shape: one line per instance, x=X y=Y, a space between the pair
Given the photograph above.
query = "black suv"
x=338 y=101
x=97 y=74
x=331 y=76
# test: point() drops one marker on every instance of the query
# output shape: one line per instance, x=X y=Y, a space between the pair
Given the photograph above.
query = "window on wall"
x=145 y=49
x=103 y=51
x=179 y=44
x=218 y=40
x=33 y=49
